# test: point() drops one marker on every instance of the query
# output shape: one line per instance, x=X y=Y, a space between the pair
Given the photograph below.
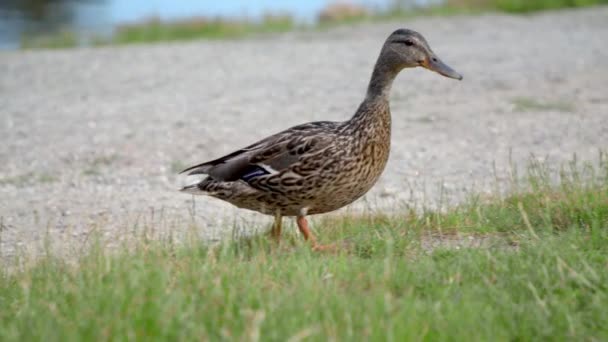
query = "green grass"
x=56 y=40
x=197 y=28
x=528 y=104
x=99 y=163
x=155 y=30
x=29 y=178
x=541 y=274
x=522 y=6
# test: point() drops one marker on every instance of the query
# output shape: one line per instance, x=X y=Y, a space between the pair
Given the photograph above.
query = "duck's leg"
x=275 y=232
x=303 y=226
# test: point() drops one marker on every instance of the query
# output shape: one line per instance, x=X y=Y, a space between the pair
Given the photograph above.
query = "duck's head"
x=408 y=49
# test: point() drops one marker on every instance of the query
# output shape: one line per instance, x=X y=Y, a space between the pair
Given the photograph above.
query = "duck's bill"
x=436 y=65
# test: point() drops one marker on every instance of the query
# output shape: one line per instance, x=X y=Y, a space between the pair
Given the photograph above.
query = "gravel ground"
x=91 y=139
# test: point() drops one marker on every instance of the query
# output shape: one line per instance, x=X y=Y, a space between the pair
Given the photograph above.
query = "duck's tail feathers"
x=198 y=169
x=208 y=186
x=194 y=189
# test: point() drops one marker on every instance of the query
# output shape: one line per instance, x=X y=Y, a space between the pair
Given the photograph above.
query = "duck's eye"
x=409 y=42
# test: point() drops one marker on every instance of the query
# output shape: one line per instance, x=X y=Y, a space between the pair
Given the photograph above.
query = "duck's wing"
x=270 y=155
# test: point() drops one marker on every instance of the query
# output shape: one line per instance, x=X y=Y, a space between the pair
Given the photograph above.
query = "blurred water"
x=18 y=17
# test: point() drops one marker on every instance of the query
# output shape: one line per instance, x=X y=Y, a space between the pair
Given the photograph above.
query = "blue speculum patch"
x=253 y=172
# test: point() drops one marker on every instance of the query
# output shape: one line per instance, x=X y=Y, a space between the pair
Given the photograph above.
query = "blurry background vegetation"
x=70 y=23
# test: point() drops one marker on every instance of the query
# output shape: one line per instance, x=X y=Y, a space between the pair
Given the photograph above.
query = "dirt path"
x=91 y=139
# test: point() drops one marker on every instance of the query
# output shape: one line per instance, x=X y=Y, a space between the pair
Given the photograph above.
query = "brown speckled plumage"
x=322 y=166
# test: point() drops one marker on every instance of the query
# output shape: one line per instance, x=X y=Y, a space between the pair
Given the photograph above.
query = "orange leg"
x=275 y=232
x=303 y=226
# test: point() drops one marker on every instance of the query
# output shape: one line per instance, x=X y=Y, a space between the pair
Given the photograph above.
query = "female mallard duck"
x=320 y=166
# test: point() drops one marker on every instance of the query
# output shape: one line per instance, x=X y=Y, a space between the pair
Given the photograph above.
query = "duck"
x=321 y=166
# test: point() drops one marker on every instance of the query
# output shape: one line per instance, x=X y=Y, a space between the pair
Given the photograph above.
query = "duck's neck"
x=379 y=87
x=375 y=107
